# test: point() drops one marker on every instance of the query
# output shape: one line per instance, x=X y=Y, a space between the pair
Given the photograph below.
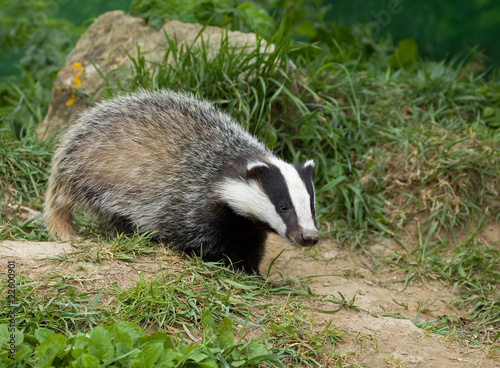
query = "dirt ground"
x=377 y=341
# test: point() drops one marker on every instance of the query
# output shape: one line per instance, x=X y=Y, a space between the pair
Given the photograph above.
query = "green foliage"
x=234 y=14
x=442 y=29
x=124 y=344
x=24 y=169
x=405 y=54
x=304 y=20
x=491 y=116
x=27 y=28
x=24 y=104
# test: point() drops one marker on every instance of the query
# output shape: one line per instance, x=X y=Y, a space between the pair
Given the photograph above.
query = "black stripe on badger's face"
x=273 y=183
x=290 y=190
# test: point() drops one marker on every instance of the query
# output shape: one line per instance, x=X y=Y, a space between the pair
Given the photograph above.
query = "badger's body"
x=166 y=162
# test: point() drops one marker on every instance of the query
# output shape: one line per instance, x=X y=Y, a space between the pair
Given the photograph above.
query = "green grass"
x=410 y=154
x=24 y=167
x=197 y=304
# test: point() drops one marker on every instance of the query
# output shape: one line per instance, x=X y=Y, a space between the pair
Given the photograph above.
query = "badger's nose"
x=310 y=238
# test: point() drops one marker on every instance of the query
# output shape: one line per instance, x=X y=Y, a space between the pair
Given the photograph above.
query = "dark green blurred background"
x=442 y=29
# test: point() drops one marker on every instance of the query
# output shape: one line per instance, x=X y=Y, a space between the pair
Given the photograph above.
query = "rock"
x=331 y=254
x=32 y=251
x=12 y=213
x=384 y=248
x=105 y=45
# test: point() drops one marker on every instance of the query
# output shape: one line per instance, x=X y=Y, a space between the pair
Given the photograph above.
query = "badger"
x=169 y=163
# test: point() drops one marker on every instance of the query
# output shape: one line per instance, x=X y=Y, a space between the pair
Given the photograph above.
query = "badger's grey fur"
x=167 y=162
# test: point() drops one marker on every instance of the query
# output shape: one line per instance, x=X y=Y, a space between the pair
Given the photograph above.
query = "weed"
x=125 y=344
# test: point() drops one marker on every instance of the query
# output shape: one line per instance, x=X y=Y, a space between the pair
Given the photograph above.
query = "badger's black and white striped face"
x=278 y=194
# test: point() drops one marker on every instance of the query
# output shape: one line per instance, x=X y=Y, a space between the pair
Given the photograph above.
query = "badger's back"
x=152 y=133
x=157 y=161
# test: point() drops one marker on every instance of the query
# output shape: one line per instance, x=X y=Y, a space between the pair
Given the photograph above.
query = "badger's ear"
x=255 y=169
x=309 y=166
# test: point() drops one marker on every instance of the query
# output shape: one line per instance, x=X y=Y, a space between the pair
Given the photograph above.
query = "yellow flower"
x=71 y=99
x=76 y=79
x=76 y=82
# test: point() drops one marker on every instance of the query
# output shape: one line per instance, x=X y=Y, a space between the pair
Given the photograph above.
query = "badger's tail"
x=58 y=211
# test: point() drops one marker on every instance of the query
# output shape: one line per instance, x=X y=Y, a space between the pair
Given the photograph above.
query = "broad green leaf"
x=488 y=111
x=100 y=344
x=197 y=356
x=31 y=340
x=23 y=353
x=265 y=357
x=4 y=334
x=49 y=349
x=170 y=357
x=122 y=336
x=225 y=333
x=492 y=117
x=43 y=333
x=132 y=329
x=461 y=271
x=148 y=357
x=79 y=344
x=207 y=321
x=405 y=54
x=157 y=337
x=88 y=361
x=205 y=364
x=122 y=348
x=256 y=349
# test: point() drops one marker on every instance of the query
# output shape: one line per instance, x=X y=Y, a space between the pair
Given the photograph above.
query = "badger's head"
x=278 y=194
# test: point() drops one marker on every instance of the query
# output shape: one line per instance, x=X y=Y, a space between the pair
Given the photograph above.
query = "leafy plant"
x=234 y=14
x=405 y=54
x=124 y=344
x=43 y=42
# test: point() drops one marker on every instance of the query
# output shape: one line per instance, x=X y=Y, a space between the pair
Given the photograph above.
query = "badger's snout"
x=309 y=238
x=306 y=238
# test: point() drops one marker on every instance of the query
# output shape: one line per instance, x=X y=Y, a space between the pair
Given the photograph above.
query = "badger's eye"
x=284 y=208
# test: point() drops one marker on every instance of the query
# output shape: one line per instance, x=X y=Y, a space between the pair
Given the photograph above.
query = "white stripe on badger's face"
x=247 y=199
x=300 y=197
